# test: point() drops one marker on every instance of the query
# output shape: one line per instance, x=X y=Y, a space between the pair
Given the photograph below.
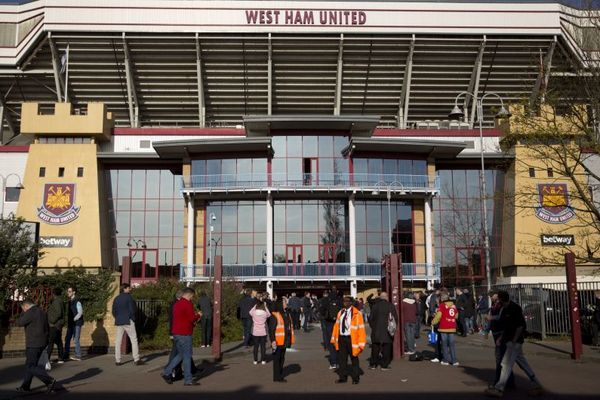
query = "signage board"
x=558 y=240
x=56 y=241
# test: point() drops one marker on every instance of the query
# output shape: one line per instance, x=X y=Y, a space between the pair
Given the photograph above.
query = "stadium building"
x=300 y=140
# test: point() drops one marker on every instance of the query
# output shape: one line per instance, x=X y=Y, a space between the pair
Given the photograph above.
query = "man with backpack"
x=329 y=309
x=383 y=319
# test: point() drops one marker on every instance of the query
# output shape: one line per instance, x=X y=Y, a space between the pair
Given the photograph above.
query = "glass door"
x=327 y=256
x=293 y=258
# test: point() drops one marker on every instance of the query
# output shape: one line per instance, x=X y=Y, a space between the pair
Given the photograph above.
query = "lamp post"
x=388 y=188
x=4 y=180
x=503 y=113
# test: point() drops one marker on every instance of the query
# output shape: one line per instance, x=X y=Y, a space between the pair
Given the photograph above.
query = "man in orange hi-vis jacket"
x=349 y=338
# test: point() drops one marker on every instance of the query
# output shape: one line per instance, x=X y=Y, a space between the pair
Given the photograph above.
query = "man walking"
x=381 y=340
x=349 y=337
x=295 y=306
x=123 y=310
x=248 y=301
x=446 y=318
x=35 y=322
x=205 y=307
x=330 y=307
x=306 y=311
x=513 y=335
x=56 y=321
x=409 y=314
x=184 y=317
x=74 y=324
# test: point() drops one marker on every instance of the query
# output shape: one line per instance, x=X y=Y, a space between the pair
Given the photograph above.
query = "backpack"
x=391 y=325
x=332 y=309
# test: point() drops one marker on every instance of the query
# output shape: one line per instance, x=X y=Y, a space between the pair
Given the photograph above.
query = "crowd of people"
x=275 y=321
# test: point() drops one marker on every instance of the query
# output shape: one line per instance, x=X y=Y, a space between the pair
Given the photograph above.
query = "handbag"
x=44 y=361
x=432 y=337
x=391 y=326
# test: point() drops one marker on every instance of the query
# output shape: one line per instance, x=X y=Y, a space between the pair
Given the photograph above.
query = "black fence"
x=546 y=306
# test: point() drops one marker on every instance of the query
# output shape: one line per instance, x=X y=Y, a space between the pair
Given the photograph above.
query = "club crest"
x=554 y=203
x=58 y=205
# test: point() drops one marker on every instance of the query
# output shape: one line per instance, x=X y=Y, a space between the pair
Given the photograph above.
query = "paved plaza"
x=309 y=378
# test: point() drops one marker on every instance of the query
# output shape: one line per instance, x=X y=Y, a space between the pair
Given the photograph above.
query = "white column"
x=428 y=241
x=191 y=228
x=352 y=236
x=269 y=243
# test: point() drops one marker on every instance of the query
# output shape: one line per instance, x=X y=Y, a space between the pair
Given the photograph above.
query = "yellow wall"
x=96 y=123
x=85 y=230
x=199 y=212
x=522 y=229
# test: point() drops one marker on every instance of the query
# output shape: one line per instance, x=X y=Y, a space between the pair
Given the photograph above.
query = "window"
x=550 y=173
x=80 y=172
x=12 y=194
x=61 y=172
x=42 y=172
x=532 y=172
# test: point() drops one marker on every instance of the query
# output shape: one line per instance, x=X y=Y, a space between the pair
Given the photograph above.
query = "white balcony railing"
x=308 y=272
x=257 y=181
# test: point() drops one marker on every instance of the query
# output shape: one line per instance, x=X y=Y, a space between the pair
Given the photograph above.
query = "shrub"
x=153 y=329
x=94 y=289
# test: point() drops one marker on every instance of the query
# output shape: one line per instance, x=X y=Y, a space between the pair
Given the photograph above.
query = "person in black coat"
x=56 y=320
x=248 y=301
x=205 y=305
x=35 y=322
x=381 y=340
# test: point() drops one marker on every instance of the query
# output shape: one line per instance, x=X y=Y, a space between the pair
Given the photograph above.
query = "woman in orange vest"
x=349 y=338
x=281 y=333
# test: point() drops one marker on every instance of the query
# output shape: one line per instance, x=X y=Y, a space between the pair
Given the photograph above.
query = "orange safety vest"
x=358 y=335
x=280 y=330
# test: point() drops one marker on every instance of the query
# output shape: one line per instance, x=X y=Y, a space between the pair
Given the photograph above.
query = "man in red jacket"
x=184 y=317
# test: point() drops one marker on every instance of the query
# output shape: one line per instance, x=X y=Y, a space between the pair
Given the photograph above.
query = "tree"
x=18 y=255
x=557 y=133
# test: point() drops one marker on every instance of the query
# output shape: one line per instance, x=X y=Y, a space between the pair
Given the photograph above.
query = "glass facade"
x=146 y=210
x=458 y=226
x=374 y=170
x=309 y=231
x=372 y=230
x=239 y=231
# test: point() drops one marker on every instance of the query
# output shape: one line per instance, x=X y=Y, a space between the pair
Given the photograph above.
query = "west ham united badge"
x=58 y=207
x=554 y=203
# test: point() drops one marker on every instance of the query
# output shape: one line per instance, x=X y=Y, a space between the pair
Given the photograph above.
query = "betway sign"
x=306 y=17
x=56 y=241
x=558 y=240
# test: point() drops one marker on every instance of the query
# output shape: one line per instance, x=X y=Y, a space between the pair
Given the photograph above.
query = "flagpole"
x=67 y=74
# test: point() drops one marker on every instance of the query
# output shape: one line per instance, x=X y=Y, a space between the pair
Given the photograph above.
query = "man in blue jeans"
x=74 y=324
x=184 y=317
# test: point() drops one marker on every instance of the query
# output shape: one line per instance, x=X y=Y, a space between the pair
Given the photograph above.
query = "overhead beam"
x=543 y=75
x=270 y=76
x=200 y=79
x=338 y=80
x=58 y=79
x=474 y=83
x=405 y=92
x=4 y=116
x=131 y=93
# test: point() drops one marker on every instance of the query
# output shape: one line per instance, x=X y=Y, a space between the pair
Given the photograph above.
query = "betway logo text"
x=56 y=241
x=558 y=240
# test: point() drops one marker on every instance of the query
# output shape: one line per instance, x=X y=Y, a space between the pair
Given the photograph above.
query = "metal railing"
x=257 y=181
x=307 y=271
x=546 y=306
